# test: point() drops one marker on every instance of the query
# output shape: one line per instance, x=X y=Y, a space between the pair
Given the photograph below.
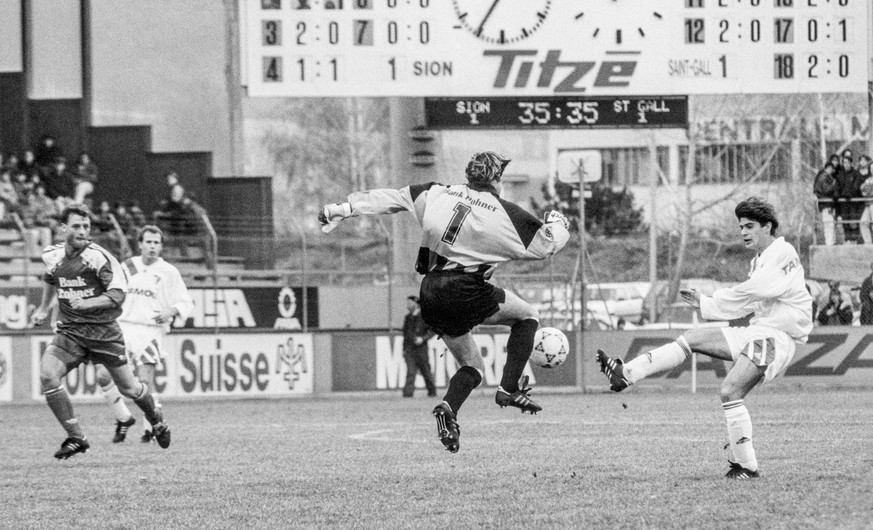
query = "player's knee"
x=730 y=392
x=132 y=389
x=49 y=379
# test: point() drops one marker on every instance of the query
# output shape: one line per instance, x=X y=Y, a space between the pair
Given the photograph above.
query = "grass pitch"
x=641 y=459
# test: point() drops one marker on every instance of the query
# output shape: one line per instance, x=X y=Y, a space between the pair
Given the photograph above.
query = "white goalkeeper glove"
x=555 y=216
x=331 y=214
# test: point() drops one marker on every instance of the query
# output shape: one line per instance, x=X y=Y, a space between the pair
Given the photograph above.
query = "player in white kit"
x=775 y=294
x=467 y=230
x=156 y=295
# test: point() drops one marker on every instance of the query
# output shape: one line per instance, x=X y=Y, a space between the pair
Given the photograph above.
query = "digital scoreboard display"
x=556 y=112
x=460 y=48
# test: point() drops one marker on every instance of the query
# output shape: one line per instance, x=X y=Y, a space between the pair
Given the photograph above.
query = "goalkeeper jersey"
x=775 y=292
x=153 y=288
x=466 y=228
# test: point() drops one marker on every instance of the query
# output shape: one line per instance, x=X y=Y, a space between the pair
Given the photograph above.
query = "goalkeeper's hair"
x=757 y=209
x=486 y=167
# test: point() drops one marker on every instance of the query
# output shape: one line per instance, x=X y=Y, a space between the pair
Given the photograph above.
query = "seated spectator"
x=85 y=177
x=124 y=219
x=47 y=152
x=838 y=310
x=28 y=165
x=59 y=183
x=136 y=214
x=37 y=213
x=866 y=186
x=8 y=195
x=104 y=217
x=10 y=163
x=21 y=184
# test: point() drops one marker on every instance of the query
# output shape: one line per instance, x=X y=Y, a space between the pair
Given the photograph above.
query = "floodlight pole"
x=580 y=335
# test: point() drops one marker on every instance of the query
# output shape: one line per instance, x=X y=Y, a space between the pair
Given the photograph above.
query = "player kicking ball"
x=775 y=295
x=90 y=287
x=467 y=230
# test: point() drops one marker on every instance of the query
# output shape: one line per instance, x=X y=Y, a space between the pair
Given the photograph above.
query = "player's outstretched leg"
x=614 y=370
x=448 y=429
x=135 y=389
x=519 y=399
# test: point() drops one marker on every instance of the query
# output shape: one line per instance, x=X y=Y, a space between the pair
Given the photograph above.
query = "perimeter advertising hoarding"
x=368 y=361
x=239 y=365
x=5 y=369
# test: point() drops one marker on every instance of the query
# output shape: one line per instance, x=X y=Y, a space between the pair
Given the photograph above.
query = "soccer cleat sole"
x=451 y=442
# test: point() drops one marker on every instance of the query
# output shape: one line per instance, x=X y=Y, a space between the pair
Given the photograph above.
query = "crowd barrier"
x=273 y=363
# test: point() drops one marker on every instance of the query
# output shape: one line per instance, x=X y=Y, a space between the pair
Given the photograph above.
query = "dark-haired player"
x=90 y=287
x=467 y=230
x=775 y=294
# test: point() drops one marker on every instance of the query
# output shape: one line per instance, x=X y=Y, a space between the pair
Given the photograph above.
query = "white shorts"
x=143 y=343
x=764 y=346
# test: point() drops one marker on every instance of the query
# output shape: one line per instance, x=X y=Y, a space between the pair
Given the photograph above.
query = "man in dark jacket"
x=415 y=337
x=866 y=296
x=848 y=187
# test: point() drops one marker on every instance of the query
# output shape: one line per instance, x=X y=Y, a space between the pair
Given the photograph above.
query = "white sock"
x=739 y=425
x=664 y=358
x=116 y=402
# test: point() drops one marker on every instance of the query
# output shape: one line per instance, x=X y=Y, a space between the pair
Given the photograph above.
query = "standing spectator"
x=35 y=219
x=21 y=184
x=415 y=337
x=824 y=187
x=866 y=296
x=838 y=310
x=848 y=188
x=136 y=214
x=867 y=193
x=10 y=162
x=85 y=177
x=7 y=191
x=47 y=152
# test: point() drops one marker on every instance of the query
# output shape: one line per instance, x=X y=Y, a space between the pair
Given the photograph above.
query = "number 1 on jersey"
x=451 y=233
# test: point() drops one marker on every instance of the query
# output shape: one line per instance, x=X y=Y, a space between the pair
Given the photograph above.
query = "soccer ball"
x=550 y=348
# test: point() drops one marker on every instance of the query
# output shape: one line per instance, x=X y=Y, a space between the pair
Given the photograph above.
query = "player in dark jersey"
x=468 y=230
x=90 y=286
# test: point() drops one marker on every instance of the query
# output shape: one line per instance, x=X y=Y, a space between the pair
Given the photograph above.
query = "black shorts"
x=100 y=343
x=454 y=303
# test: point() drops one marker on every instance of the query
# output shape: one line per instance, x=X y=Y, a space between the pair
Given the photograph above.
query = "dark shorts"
x=99 y=343
x=454 y=303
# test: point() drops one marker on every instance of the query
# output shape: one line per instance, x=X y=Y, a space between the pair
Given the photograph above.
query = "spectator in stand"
x=848 y=187
x=85 y=177
x=28 y=165
x=125 y=221
x=866 y=296
x=47 y=152
x=59 y=183
x=7 y=191
x=10 y=162
x=838 y=310
x=35 y=218
x=21 y=184
x=48 y=208
x=824 y=187
x=104 y=217
x=136 y=214
x=173 y=211
x=866 y=188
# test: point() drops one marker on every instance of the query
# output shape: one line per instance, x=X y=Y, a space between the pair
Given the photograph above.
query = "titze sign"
x=252 y=307
x=255 y=365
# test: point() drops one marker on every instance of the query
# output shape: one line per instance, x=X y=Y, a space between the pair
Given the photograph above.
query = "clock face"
x=618 y=22
x=502 y=21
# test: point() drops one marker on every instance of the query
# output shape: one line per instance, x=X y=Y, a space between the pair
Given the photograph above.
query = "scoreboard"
x=593 y=112
x=505 y=48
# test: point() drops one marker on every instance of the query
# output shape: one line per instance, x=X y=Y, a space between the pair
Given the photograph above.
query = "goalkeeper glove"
x=555 y=216
x=331 y=214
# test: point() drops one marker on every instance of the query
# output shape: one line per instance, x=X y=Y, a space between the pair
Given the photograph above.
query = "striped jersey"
x=465 y=228
x=86 y=274
x=151 y=289
x=775 y=292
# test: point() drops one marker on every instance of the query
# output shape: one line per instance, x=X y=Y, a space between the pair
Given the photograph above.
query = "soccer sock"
x=116 y=401
x=461 y=385
x=518 y=349
x=146 y=402
x=59 y=402
x=739 y=425
x=660 y=359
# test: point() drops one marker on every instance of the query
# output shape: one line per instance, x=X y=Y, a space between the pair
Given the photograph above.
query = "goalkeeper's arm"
x=331 y=214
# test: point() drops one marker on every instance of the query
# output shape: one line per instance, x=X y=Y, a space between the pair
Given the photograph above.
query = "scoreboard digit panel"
x=459 y=48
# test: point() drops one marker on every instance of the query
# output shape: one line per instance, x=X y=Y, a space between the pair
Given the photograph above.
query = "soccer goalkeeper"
x=468 y=230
